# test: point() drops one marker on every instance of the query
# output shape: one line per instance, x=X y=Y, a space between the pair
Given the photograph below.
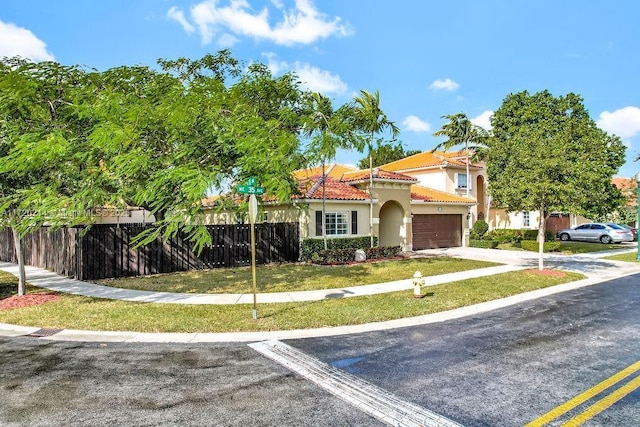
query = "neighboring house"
x=629 y=189
x=127 y=215
x=447 y=171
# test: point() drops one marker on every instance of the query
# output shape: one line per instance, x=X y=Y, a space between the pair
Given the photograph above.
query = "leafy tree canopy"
x=547 y=154
x=72 y=139
x=386 y=152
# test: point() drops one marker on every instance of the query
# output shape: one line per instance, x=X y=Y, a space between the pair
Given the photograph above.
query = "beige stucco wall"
x=499 y=218
x=332 y=206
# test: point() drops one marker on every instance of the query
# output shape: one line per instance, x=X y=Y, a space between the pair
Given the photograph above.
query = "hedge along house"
x=397 y=201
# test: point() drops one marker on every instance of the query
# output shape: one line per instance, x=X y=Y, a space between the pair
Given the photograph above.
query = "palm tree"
x=324 y=140
x=459 y=130
x=369 y=120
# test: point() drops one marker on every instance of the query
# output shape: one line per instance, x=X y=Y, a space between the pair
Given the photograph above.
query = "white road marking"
x=365 y=396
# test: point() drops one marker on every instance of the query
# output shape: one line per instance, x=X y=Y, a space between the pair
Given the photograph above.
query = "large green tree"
x=73 y=139
x=386 y=152
x=547 y=155
x=368 y=119
x=44 y=173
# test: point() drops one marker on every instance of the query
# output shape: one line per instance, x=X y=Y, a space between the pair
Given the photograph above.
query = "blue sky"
x=427 y=58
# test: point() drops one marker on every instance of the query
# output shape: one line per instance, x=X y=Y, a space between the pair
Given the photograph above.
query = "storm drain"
x=365 y=396
x=44 y=332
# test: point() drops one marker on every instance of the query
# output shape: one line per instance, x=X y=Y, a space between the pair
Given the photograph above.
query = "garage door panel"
x=436 y=231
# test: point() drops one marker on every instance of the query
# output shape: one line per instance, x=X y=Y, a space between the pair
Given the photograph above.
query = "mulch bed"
x=27 y=300
x=547 y=272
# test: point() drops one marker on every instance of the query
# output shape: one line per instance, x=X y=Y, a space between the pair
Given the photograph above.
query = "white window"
x=526 y=220
x=461 y=181
x=337 y=223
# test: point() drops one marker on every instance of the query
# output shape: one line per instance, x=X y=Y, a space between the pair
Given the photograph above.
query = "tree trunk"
x=324 y=213
x=22 y=276
x=371 y=193
x=541 y=232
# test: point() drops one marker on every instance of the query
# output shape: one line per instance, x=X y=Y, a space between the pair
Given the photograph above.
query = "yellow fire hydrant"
x=418 y=282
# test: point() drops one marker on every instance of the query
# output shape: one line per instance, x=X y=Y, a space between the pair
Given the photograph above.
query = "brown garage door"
x=436 y=231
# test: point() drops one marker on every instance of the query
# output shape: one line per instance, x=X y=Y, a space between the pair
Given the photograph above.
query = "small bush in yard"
x=480 y=227
x=511 y=235
x=342 y=256
x=532 y=245
x=311 y=246
x=486 y=244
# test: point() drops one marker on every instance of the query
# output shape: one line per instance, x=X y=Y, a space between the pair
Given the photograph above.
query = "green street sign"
x=250 y=189
x=252 y=182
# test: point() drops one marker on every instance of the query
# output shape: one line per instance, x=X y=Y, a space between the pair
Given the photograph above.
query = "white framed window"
x=526 y=219
x=462 y=181
x=337 y=223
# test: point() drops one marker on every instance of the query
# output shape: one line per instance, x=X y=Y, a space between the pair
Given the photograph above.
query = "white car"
x=596 y=232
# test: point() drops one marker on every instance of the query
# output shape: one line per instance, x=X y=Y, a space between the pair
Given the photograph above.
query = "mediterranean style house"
x=417 y=203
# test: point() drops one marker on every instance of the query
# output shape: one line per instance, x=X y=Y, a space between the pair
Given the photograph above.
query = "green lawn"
x=628 y=257
x=295 y=277
x=570 y=248
x=75 y=312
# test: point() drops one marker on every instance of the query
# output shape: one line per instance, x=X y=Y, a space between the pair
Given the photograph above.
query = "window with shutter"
x=354 y=222
x=318 y=223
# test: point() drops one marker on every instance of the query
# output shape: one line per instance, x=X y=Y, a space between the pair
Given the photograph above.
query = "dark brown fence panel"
x=106 y=251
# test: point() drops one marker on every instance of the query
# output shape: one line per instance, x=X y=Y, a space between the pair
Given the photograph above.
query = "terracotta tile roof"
x=428 y=159
x=624 y=183
x=362 y=175
x=334 y=190
x=627 y=187
x=333 y=170
x=426 y=194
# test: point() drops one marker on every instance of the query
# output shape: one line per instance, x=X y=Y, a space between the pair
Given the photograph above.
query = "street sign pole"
x=253 y=208
x=252 y=189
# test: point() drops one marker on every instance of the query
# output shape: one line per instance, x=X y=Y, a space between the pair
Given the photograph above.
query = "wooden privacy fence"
x=106 y=251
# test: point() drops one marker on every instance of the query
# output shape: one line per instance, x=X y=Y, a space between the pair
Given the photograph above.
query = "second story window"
x=461 y=180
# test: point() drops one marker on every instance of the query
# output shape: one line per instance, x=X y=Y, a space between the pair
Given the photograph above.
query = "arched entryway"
x=391 y=231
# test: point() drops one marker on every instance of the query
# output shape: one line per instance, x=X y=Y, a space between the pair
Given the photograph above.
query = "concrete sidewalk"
x=48 y=280
x=596 y=270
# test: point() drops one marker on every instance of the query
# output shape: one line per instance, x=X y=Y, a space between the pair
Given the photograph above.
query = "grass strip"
x=75 y=312
x=295 y=277
x=627 y=257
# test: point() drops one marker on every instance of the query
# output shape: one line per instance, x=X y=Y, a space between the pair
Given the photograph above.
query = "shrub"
x=487 y=244
x=504 y=235
x=341 y=256
x=512 y=235
x=312 y=246
x=533 y=235
x=479 y=229
x=532 y=245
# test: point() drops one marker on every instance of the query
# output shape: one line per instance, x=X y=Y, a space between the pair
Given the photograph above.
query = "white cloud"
x=18 y=41
x=227 y=40
x=624 y=122
x=415 y=124
x=311 y=78
x=178 y=16
x=301 y=24
x=446 y=84
x=318 y=80
x=483 y=120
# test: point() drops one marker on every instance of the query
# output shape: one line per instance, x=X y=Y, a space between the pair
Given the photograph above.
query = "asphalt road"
x=88 y=384
x=506 y=367
x=502 y=368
